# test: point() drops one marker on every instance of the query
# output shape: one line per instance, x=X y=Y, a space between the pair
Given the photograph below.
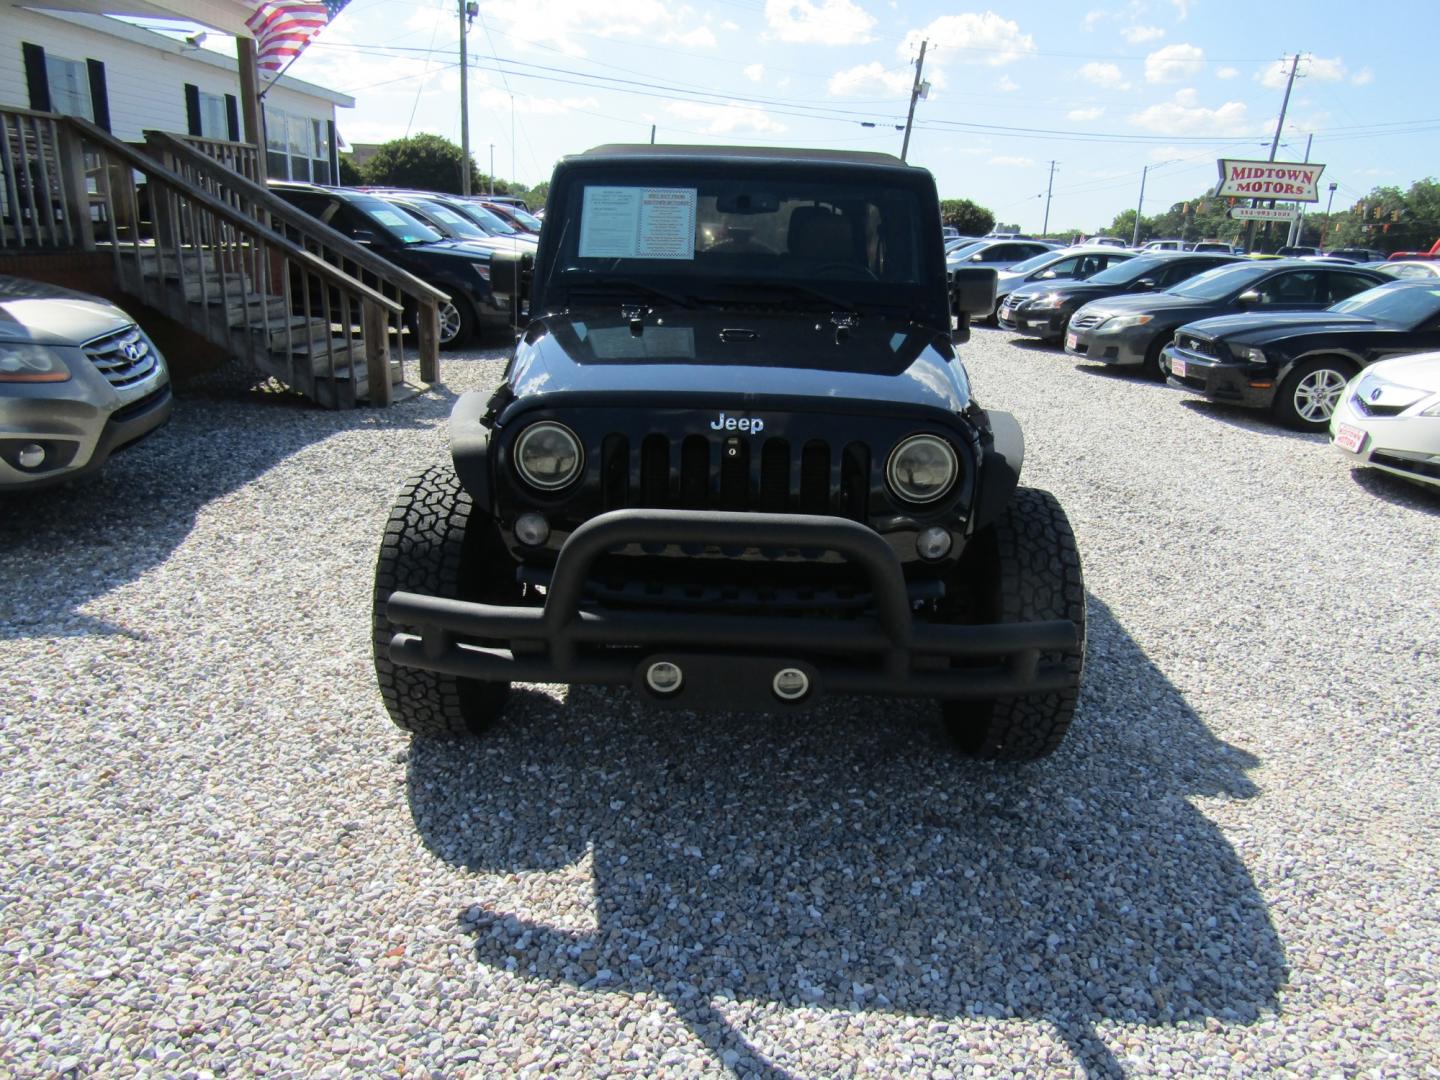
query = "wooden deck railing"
x=238 y=157
x=43 y=197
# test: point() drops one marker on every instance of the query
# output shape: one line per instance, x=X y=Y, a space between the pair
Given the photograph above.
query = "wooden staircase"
x=211 y=249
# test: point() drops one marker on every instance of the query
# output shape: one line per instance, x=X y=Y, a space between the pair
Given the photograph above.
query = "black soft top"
x=669 y=152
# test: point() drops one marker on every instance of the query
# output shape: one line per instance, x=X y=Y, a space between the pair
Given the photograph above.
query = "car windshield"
x=711 y=233
x=1402 y=304
x=1128 y=270
x=967 y=248
x=493 y=224
x=400 y=224
x=1221 y=282
x=454 y=224
x=529 y=220
x=1035 y=262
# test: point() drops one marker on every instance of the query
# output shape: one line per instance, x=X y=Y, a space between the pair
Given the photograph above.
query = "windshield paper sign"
x=1290 y=180
x=638 y=223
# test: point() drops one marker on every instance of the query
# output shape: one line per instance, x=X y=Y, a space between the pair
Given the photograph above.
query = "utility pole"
x=492 y=168
x=915 y=95
x=1274 y=145
x=464 y=104
x=652 y=134
x=1045 y=228
x=1297 y=227
x=1328 y=204
x=1135 y=239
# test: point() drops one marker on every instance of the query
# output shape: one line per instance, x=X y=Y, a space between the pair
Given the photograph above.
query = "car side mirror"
x=977 y=257
x=363 y=236
x=1048 y=275
x=1249 y=296
x=1145 y=284
x=510 y=274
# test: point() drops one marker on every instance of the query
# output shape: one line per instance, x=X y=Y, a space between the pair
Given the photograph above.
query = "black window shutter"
x=36 y=81
x=192 y=109
x=232 y=117
x=334 y=154
x=99 y=96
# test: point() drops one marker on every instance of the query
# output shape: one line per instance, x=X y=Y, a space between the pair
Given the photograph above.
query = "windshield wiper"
x=611 y=282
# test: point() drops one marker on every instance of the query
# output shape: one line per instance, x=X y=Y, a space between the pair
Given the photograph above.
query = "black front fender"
x=1000 y=462
x=470 y=448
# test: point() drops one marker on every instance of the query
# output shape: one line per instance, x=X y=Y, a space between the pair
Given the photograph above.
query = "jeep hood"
x=741 y=357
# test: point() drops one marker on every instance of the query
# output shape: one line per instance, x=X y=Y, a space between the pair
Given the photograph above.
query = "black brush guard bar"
x=891 y=653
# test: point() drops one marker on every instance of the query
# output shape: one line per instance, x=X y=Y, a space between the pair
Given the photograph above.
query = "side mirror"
x=1145 y=284
x=1249 y=296
x=972 y=292
x=510 y=273
x=1048 y=275
x=977 y=257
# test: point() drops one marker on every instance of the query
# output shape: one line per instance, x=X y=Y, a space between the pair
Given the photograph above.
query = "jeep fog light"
x=31 y=456
x=548 y=455
x=790 y=684
x=922 y=468
x=664 y=677
x=933 y=542
x=532 y=529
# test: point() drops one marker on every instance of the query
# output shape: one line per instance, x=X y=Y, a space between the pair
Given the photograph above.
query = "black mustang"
x=1297 y=363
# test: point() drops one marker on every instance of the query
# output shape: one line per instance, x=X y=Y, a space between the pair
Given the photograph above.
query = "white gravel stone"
x=222 y=860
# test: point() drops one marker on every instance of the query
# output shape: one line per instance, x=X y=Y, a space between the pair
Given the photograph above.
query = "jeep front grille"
x=124 y=357
x=766 y=476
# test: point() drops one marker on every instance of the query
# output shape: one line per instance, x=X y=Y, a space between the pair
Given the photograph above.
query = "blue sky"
x=1102 y=89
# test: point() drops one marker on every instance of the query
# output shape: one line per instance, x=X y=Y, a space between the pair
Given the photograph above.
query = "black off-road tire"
x=1028 y=570
x=437 y=544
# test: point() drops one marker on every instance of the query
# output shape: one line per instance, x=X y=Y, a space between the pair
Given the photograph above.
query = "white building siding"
x=145 y=82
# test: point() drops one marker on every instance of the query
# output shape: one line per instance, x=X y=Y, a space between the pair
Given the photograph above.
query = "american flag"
x=283 y=28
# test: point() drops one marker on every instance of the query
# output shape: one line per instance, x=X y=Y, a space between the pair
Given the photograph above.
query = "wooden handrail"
x=157 y=170
x=277 y=207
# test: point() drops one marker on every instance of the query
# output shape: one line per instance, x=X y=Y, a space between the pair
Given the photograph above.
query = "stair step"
x=252 y=311
x=319 y=353
x=292 y=332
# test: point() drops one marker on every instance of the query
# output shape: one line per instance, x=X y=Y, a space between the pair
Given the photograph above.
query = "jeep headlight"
x=548 y=455
x=31 y=363
x=922 y=468
x=1124 y=322
x=1249 y=355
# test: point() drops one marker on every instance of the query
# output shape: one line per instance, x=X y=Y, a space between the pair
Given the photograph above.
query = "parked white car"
x=1389 y=417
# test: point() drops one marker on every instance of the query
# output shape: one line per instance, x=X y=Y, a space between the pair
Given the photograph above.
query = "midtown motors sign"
x=1290 y=180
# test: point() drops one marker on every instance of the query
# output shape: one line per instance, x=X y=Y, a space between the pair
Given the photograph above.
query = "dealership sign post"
x=1292 y=181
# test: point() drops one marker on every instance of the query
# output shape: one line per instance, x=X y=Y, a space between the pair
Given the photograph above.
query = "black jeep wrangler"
x=735 y=463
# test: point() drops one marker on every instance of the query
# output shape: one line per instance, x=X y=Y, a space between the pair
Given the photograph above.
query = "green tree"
x=350 y=173
x=426 y=162
x=970 y=218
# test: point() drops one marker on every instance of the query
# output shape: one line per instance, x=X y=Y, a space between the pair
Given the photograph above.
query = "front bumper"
x=1404 y=445
x=1125 y=348
x=729 y=660
x=1231 y=382
x=1020 y=319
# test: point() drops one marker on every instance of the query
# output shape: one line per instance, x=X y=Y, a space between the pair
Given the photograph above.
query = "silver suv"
x=78 y=380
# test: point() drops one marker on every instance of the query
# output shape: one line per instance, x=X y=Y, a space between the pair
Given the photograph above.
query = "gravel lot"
x=219 y=857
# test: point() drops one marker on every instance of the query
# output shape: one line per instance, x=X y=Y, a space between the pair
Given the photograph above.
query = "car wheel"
x=435 y=544
x=1023 y=568
x=457 y=324
x=1154 y=361
x=1307 y=398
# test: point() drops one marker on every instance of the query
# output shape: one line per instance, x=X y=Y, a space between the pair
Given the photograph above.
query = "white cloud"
x=1085 y=114
x=1182 y=9
x=1227 y=73
x=1362 y=77
x=755 y=72
x=871 y=78
x=828 y=22
x=1183 y=115
x=727 y=119
x=1140 y=35
x=1174 y=63
x=558 y=22
x=1006 y=84
x=1277 y=74
x=1004 y=159
x=1106 y=75
x=1093 y=19
x=971 y=39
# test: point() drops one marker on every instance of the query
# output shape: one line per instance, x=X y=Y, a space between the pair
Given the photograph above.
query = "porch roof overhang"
x=227 y=16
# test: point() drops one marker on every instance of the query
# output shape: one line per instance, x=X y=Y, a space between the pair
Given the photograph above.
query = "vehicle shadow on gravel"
x=1257 y=420
x=64 y=547
x=1397 y=490
x=847 y=860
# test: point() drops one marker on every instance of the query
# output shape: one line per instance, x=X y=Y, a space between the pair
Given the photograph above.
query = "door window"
x=1343 y=285
x=1297 y=287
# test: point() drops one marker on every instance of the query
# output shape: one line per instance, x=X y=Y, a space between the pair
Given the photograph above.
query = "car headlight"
x=1249 y=355
x=1124 y=322
x=31 y=363
x=922 y=468
x=548 y=455
x=1048 y=302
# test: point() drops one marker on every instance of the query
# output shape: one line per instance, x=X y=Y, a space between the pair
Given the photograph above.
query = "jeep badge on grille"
x=744 y=423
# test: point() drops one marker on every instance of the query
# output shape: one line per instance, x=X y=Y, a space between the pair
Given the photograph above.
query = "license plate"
x=1072 y=340
x=1349 y=438
x=1177 y=368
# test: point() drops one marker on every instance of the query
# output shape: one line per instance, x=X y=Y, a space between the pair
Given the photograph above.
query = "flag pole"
x=278 y=74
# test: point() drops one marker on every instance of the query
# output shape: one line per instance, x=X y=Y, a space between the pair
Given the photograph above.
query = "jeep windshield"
x=771 y=239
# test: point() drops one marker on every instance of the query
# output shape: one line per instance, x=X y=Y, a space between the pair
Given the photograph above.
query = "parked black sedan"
x=1297 y=365
x=1131 y=330
x=1042 y=309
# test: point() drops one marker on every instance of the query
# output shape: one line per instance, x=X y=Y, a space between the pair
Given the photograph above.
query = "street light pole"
x=1328 y=203
x=464 y=109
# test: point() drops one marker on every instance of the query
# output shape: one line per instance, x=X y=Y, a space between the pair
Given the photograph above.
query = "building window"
x=296 y=147
x=69 y=86
x=214 y=121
